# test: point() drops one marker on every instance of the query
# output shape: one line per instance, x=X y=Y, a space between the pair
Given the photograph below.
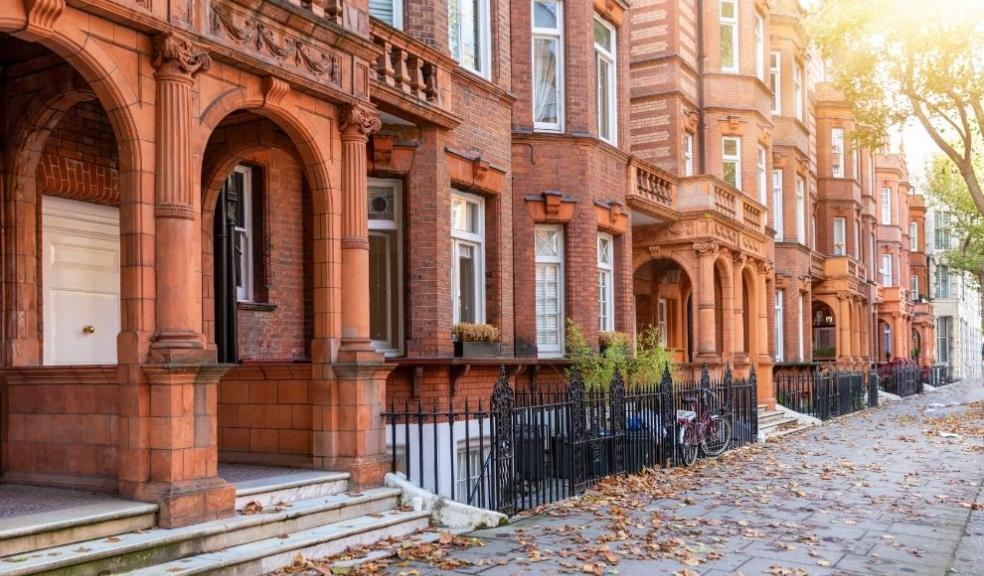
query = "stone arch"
x=664 y=277
x=750 y=306
x=723 y=285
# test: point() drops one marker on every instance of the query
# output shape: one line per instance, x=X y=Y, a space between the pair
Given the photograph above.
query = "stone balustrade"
x=652 y=189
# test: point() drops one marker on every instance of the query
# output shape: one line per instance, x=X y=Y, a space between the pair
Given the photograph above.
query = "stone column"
x=707 y=333
x=761 y=356
x=181 y=421
x=740 y=313
x=355 y=438
x=844 y=326
x=855 y=329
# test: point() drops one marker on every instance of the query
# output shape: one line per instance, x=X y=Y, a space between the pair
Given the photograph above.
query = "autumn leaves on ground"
x=885 y=491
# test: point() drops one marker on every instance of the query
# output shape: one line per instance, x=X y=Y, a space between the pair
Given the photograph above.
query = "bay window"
x=798 y=103
x=759 y=47
x=549 y=247
x=388 y=11
x=606 y=300
x=886 y=206
x=385 y=266
x=775 y=81
x=469 y=34
x=777 y=215
x=837 y=152
x=468 y=257
x=914 y=287
x=605 y=49
x=913 y=236
x=840 y=241
x=729 y=36
x=942 y=281
x=688 y=154
x=763 y=175
x=731 y=160
x=800 y=210
x=548 y=65
x=886 y=270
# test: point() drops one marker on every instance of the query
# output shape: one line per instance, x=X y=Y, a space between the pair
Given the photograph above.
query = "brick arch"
x=642 y=258
x=750 y=290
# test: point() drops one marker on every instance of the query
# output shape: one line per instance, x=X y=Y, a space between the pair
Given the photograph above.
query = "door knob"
x=89 y=329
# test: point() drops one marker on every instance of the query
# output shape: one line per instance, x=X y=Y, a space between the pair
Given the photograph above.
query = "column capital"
x=175 y=54
x=766 y=268
x=705 y=248
x=358 y=120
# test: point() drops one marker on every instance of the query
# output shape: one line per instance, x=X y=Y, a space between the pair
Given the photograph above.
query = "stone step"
x=787 y=431
x=270 y=554
x=773 y=417
x=71 y=525
x=135 y=550
x=772 y=428
x=290 y=487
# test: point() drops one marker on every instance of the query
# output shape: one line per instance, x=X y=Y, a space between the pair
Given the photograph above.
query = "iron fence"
x=938 y=375
x=523 y=449
x=900 y=378
x=825 y=394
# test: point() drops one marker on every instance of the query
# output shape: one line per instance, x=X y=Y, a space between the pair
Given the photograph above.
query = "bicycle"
x=709 y=432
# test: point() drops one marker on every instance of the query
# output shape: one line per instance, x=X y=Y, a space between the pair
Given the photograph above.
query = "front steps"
x=776 y=423
x=311 y=515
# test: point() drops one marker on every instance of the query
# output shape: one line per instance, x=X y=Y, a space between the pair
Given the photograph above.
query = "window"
x=942 y=232
x=763 y=176
x=886 y=206
x=468 y=257
x=857 y=239
x=548 y=65
x=840 y=235
x=777 y=215
x=605 y=45
x=469 y=32
x=471 y=464
x=886 y=270
x=775 y=81
x=914 y=286
x=239 y=201
x=942 y=281
x=800 y=210
x=759 y=47
x=661 y=319
x=389 y=11
x=837 y=152
x=731 y=160
x=914 y=236
x=688 y=154
x=385 y=266
x=606 y=287
x=549 y=244
x=798 y=90
x=729 y=36
x=944 y=338
x=780 y=329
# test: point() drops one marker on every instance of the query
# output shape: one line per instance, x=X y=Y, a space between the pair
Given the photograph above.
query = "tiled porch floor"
x=21 y=500
x=237 y=473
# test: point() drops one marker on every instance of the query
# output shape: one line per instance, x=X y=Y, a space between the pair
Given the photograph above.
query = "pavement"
x=886 y=491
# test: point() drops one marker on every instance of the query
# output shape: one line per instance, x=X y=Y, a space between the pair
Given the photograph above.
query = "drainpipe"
x=701 y=125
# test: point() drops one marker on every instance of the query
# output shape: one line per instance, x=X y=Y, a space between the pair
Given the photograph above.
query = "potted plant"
x=476 y=341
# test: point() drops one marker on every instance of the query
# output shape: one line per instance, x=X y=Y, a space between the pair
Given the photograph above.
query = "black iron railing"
x=825 y=394
x=938 y=375
x=528 y=448
x=900 y=378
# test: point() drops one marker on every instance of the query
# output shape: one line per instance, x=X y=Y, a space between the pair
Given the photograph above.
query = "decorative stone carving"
x=359 y=117
x=766 y=268
x=42 y=14
x=740 y=258
x=703 y=248
x=258 y=36
x=174 y=53
x=843 y=295
x=274 y=90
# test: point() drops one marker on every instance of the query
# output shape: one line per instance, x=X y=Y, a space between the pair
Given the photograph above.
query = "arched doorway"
x=663 y=290
x=824 y=332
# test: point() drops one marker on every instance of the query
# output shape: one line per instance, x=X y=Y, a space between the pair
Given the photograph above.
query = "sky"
x=919 y=150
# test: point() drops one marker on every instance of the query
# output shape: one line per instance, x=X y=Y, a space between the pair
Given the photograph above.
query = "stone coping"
x=286 y=481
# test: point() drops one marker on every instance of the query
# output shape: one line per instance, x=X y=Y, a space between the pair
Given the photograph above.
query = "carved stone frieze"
x=727 y=234
x=264 y=40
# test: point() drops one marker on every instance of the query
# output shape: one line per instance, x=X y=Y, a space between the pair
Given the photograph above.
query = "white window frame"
x=731 y=158
x=759 y=47
x=840 y=236
x=775 y=67
x=763 y=175
x=477 y=240
x=886 y=270
x=483 y=63
x=942 y=281
x=886 y=206
x=606 y=277
x=732 y=23
x=557 y=350
x=396 y=6
x=688 y=154
x=662 y=320
x=387 y=347
x=914 y=236
x=610 y=56
x=914 y=286
x=777 y=208
x=942 y=231
x=780 y=327
x=800 y=210
x=799 y=104
x=245 y=293
x=550 y=34
x=837 y=152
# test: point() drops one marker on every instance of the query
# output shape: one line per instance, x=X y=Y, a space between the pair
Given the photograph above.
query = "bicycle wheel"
x=689 y=446
x=717 y=437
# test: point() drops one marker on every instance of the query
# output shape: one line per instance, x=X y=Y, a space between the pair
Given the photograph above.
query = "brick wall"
x=80 y=159
x=61 y=426
x=265 y=414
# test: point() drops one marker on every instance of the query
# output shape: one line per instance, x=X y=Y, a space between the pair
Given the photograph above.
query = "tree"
x=898 y=60
x=948 y=190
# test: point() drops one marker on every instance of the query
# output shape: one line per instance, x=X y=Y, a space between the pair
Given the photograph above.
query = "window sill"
x=257 y=306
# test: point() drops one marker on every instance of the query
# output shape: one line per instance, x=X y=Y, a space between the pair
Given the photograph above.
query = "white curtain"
x=545 y=80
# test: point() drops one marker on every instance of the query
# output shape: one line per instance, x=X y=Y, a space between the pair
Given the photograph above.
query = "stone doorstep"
x=272 y=553
x=136 y=549
x=59 y=527
x=290 y=487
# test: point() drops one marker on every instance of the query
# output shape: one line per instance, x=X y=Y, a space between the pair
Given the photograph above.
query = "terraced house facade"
x=235 y=230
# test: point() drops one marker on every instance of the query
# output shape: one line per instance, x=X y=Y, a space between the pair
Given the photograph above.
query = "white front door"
x=81 y=243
